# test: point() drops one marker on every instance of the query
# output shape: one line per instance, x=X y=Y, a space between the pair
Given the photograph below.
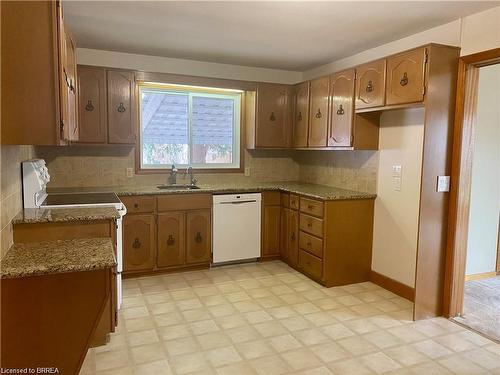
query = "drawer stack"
x=311 y=236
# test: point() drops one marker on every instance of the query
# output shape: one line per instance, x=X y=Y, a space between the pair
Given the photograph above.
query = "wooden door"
x=198 y=237
x=138 y=242
x=92 y=119
x=285 y=213
x=271 y=230
x=318 y=112
x=272 y=117
x=121 y=106
x=301 y=115
x=342 y=109
x=370 y=84
x=405 y=77
x=293 y=237
x=64 y=79
x=171 y=245
x=71 y=98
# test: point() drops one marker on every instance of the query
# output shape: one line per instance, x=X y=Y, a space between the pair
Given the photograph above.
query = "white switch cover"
x=443 y=184
x=130 y=172
x=247 y=171
x=396 y=177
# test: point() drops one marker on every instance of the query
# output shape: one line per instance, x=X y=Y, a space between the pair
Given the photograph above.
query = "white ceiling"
x=281 y=35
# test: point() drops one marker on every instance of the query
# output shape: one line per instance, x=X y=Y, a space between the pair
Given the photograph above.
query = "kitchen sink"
x=178 y=187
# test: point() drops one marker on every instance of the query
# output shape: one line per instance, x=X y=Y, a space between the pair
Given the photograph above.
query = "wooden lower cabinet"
x=293 y=236
x=138 y=242
x=271 y=225
x=171 y=244
x=198 y=237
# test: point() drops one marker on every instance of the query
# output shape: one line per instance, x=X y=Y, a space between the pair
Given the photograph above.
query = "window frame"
x=238 y=139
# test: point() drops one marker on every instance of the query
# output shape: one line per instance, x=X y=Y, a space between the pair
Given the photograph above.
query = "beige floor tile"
x=406 y=355
x=222 y=310
x=282 y=312
x=189 y=363
x=162 y=308
x=231 y=321
x=432 y=349
x=157 y=298
x=126 y=370
x=269 y=329
x=222 y=356
x=351 y=366
x=246 y=306
x=357 y=345
x=213 y=300
x=112 y=359
x=142 y=337
x=330 y=352
x=169 y=319
x=455 y=342
x=174 y=332
x=383 y=339
x=184 y=345
x=430 y=368
x=237 y=296
x=147 y=353
x=309 y=337
x=305 y=308
x=153 y=368
x=380 y=362
x=256 y=317
x=284 y=343
x=271 y=365
x=322 y=370
x=461 y=365
x=361 y=326
x=254 y=349
x=134 y=301
x=483 y=358
x=337 y=331
x=189 y=304
x=295 y=323
x=407 y=333
x=138 y=324
x=236 y=369
x=301 y=359
x=196 y=315
x=213 y=340
x=135 y=312
x=242 y=334
x=203 y=326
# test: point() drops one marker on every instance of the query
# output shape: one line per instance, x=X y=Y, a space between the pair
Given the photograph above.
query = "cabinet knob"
x=89 y=107
x=369 y=87
x=340 y=111
x=121 y=108
x=136 y=205
x=299 y=117
x=309 y=244
x=136 y=244
x=292 y=237
x=309 y=224
x=404 y=80
x=198 y=237
x=310 y=206
x=170 y=240
x=272 y=117
x=318 y=114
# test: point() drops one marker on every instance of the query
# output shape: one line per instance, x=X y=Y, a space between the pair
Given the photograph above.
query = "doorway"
x=472 y=285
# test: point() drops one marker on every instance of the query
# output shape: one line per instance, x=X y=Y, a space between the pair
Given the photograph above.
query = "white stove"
x=35 y=179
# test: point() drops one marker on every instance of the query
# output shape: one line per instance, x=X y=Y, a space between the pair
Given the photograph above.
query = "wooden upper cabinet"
x=171 y=245
x=198 y=237
x=272 y=115
x=342 y=108
x=38 y=106
x=318 y=112
x=406 y=77
x=138 y=242
x=370 y=84
x=92 y=112
x=301 y=115
x=121 y=106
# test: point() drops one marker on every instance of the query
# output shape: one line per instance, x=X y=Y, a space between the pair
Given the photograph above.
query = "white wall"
x=485 y=188
x=480 y=31
x=158 y=64
x=396 y=212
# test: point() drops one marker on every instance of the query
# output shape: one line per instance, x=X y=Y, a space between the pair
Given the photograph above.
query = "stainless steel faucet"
x=172 y=179
x=189 y=170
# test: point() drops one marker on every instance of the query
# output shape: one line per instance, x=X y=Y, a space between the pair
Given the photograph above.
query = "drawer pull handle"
x=310 y=207
x=136 y=244
x=198 y=237
x=136 y=205
x=292 y=237
x=404 y=80
x=299 y=117
x=340 y=111
x=170 y=240
x=272 y=117
x=89 y=107
x=369 y=87
x=309 y=224
x=318 y=114
x=121 y=108
x=309 y=244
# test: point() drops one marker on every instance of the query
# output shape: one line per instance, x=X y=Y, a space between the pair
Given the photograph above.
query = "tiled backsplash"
x=11 y=189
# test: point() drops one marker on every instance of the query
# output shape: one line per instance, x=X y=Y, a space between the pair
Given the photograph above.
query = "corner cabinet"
x=39 y=75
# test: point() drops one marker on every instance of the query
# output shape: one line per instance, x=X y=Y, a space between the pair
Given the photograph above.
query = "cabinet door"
x=285 y=213
x=171 y=239
x=64 y=79
x=121 y=106
x=72 y=89
x=92 y=119
x=405 y=77
x=370 y=84
x=342 y=109
x=271 y=230
x=138 y=242
x=318 y=112
x=293 y=237
x=301 y=115
x=198 y=237
x=272 y=117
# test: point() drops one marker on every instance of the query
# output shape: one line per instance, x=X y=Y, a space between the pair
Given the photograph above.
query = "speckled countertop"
x=306 y=189
x=53 y=215
x=50 y=257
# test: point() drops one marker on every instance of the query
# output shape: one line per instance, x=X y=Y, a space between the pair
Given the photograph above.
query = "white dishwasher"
x=236 y=227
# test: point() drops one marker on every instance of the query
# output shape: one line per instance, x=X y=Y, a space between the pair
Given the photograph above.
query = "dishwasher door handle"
x=240 y=202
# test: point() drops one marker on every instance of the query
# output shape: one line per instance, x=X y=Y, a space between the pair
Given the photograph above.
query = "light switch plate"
x=130 y=172
x=443 y=184
x=247 y=171
x=396 y=177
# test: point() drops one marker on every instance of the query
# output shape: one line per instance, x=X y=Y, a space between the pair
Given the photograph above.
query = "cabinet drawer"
x=176 y=202
x=271 y=198
x=311 y=244
x=294 y=202
x=311 y=225
x=311 y=207
x=137 y=204
x=310 y=264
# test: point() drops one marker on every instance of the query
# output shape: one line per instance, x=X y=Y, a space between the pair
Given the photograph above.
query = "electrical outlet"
x=130 y=172
x=247 y=171
x=396 y=177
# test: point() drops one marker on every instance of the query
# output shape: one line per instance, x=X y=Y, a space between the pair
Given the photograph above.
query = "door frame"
x=461 y=173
